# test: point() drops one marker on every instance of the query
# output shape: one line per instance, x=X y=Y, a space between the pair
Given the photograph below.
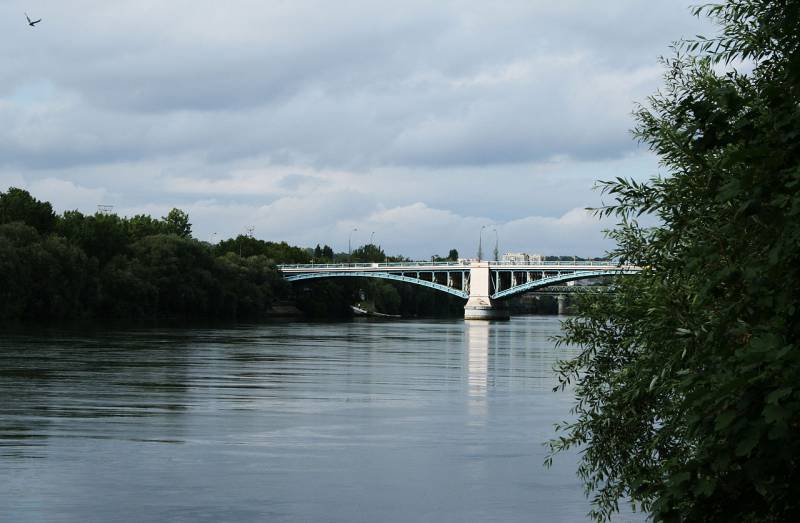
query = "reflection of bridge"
x=483 y=284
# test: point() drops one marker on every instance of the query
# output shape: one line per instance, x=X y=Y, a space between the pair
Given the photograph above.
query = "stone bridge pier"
x=480 y=305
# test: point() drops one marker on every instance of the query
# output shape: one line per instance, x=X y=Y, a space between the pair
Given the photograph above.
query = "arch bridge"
x=484 y=284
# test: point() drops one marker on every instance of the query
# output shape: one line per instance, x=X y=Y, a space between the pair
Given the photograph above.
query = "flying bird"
x=32 y=23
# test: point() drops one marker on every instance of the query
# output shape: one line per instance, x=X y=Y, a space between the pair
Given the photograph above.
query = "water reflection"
x=478 y=368
x=478 y=354
x=120 y=385
x=397 y=421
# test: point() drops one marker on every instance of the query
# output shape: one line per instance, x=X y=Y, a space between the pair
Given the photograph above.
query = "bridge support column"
x=480 y=306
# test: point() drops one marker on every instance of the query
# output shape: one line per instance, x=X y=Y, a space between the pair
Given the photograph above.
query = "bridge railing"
x=552 y=263
x=370 y=265
x=446 y=264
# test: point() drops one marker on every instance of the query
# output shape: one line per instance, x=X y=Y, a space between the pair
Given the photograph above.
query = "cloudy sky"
x=415 y=122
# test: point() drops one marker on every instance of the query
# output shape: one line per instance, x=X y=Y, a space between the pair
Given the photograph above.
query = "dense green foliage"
x=248 y=246
x=17 y=205
x=322 y=254
x=688 y=381
x=367 y=254
x=43 y=276
x=451 y=256
x=108 y=266
x=78 y=266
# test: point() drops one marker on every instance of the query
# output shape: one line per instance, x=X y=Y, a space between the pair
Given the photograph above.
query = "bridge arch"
x=555 y=280
x=380 y=275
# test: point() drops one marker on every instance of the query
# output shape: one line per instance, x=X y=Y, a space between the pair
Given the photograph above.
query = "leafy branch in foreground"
x=687 y=383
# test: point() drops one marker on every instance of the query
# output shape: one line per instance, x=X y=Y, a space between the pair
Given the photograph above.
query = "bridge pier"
x=479 y=309
x=480 y=305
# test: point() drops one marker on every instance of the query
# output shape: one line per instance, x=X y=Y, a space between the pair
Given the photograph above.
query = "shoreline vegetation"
x=107 y=267
x=687 y=404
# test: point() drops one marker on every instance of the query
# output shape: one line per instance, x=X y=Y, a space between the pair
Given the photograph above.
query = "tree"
x=249 y=285
x=109 y=266
x=246 y=246
x=687 y=379
x=17 y=205
x=101 y=236
x=368 y=253
x=452 y=255
x=43 y=277
x=142 y=225
x=177 y=222
x=181 y=270
x=15 y=277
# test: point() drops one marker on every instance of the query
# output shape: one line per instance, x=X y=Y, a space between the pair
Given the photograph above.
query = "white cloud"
x=307 y=118
x=66 y=195
x=415 y=230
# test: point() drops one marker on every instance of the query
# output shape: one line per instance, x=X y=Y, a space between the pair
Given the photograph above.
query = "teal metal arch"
x=561 y=278
x=379 y=275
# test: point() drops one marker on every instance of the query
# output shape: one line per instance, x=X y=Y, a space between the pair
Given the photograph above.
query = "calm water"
x=351 y=422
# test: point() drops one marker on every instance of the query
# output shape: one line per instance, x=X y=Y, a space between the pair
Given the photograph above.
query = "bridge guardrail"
x=371 y=265
x=550 y=263
x=466 y=264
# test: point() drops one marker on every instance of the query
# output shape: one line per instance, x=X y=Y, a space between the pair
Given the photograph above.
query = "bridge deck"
x=421 y=266
x=467 y=279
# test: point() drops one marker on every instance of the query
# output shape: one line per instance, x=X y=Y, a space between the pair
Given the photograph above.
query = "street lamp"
x=349 y=237
x=372 y=234
x=496 y=245
x=480 y=243
x=248 y=235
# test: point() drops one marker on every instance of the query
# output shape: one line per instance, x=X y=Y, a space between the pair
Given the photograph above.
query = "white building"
x=521 y=257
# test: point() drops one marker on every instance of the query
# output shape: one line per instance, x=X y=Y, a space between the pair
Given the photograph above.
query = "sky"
x=411 y=123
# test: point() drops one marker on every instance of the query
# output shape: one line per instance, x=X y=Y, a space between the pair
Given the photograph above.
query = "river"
x=402 y=421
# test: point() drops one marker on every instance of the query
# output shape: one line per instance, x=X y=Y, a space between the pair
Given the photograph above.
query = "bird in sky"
x=32 y=23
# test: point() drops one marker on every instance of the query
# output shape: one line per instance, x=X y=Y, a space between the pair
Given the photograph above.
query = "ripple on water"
x=362 y=421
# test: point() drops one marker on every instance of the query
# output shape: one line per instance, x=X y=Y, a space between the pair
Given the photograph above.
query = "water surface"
x=439 y=421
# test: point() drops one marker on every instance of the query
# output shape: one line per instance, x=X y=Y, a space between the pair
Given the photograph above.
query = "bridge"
x=484 y=284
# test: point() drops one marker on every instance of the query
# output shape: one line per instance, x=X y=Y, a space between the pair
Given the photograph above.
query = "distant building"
x=521 y=257
x=516 y=257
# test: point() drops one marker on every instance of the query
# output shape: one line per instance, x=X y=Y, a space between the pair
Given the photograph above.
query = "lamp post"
x=480 y=243
x=496 y=245
x=349 y=238
x=371 y=235
x=248 y=235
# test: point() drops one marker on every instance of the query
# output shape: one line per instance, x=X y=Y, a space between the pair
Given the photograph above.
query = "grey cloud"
x=307 y=117
x=364 y=85
x=283 y=204
x=293 y=182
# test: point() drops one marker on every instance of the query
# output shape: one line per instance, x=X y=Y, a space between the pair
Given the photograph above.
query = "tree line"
x=73 y=266
x=106 y=266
